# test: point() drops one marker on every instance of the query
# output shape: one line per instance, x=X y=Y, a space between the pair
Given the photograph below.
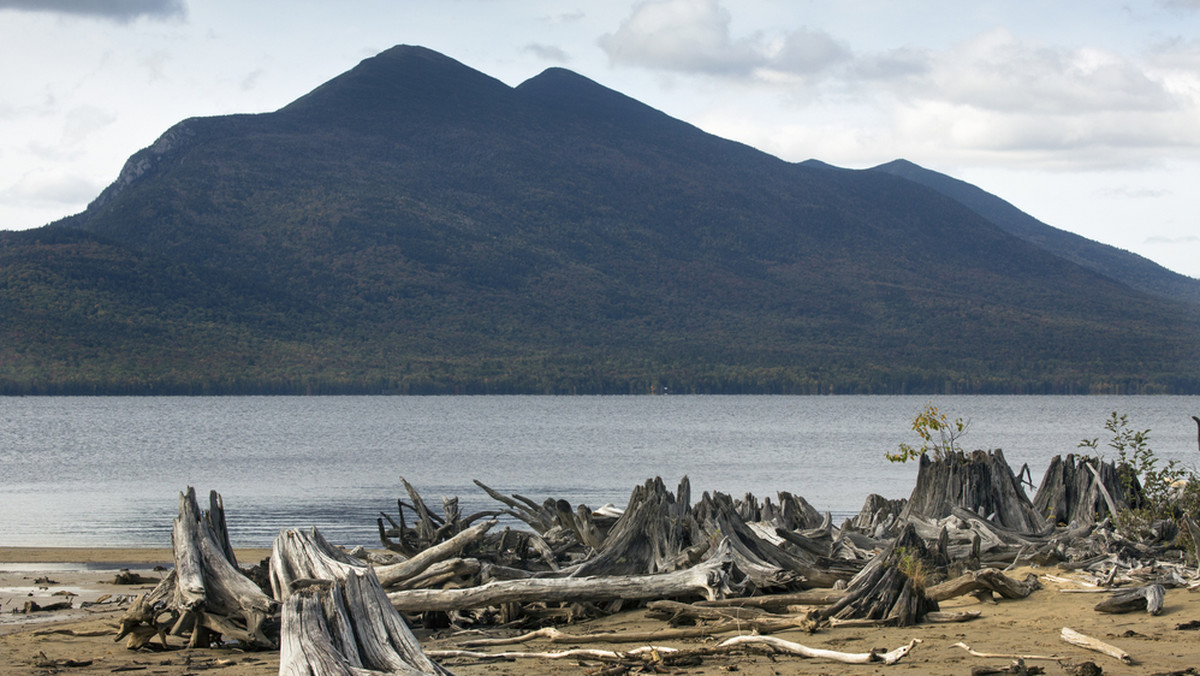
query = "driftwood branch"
x=706 y=580
x=1084 y=641
x=1004 y=656
x=654 y=653
x=396 y=573
x=890 y=657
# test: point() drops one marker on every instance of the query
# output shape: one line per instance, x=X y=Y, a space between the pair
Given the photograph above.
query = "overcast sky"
x=1085 y=113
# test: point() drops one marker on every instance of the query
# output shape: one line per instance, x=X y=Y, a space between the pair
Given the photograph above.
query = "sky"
x=1083 y=113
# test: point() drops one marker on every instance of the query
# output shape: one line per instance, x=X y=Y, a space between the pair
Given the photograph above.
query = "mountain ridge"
x=416 y=226
x=1127 y=267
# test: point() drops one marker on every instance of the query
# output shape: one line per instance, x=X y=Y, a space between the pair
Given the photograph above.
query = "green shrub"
x=937 y=434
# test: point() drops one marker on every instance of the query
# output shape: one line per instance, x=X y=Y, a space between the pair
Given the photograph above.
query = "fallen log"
x=777 y=602
x=986 y=580
x=1148 y=598
x=553 y=635
x=667 y=655
x=748 y=618
x=940 y=616
x=1084 y=641
x=709 y=579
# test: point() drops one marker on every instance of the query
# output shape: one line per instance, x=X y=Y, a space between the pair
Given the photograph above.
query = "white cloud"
x=997 y=71
x=680 y=35
x=114 y=10
x=50 y=189
x=1184 y=239
x=807 y=51
x=547 y=52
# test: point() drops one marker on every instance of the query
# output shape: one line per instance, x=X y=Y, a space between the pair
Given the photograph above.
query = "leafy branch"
x=938 y=434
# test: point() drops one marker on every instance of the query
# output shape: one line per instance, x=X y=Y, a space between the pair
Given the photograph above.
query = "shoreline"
x=84 y=635
x=109 y=555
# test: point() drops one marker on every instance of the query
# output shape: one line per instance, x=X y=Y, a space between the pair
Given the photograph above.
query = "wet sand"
x=84 y=636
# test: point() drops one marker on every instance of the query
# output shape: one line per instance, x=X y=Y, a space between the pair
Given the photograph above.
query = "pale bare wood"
x=1108 y=500
x=808 y=597
x=1084 y=641
x=776 y=644
x=576 y=653
x=396 y=573
x=945 y=616
x=987 y=579
x=206 y=593
x=343 y=624
x=1149 y=598
x=553 y=635
x=706 y=580
x=890 y=657
x=1004 y=656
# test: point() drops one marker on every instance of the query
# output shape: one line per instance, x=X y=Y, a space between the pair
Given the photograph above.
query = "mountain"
x=414 y=225
x=1123 y=266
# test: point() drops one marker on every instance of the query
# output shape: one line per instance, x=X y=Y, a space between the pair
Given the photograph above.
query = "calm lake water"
x=108 y=471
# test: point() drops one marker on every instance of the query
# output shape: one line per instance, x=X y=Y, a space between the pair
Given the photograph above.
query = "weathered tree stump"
x=1070 y=491
x=651 y=536
x=981 y=482
x=336 y=618
x=890 y=589
x=207 y=596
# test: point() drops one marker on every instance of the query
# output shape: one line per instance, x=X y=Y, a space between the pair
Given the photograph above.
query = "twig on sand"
x=976 y=653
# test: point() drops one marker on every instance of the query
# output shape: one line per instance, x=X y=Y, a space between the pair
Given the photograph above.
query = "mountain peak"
x=569 y=91
x=404 y=78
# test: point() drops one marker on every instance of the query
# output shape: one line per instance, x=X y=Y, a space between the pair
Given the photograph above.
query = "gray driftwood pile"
x=705 y=566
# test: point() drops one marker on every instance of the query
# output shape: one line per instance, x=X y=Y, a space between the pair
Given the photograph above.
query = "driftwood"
x=651 y=536
x=342 y=629
x=705 y=580
x=1073 y=489
x=987 y=580
x=1084 y=641
x=890 y=657
x=883 y=592
x=397 y=573
x=206 y=596
x=336 y=618
x=981 y=482
x=777 y=602
x=553 y=635
x=669 y=655
x=1148 y=598
x=746 y=618
x=1006 y=656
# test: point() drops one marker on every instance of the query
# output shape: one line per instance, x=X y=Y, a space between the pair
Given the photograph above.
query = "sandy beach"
x=79 y=640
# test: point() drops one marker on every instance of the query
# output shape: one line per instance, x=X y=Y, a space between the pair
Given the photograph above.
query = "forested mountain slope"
x=414 y=225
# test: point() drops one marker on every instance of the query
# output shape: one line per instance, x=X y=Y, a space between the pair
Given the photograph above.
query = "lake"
x=107 y=471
